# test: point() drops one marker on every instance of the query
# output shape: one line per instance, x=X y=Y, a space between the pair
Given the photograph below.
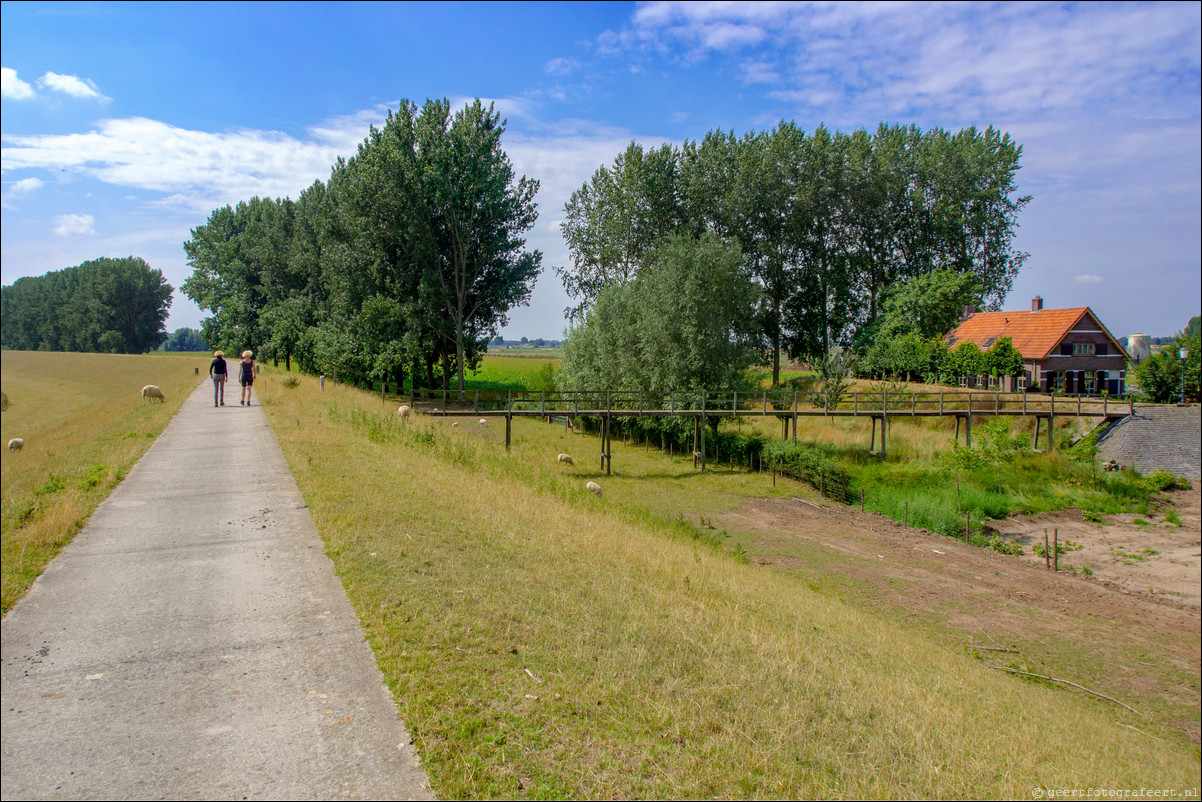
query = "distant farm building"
x=1063 y=350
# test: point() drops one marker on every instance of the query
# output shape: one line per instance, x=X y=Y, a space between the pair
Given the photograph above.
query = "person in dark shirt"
x=218 y=373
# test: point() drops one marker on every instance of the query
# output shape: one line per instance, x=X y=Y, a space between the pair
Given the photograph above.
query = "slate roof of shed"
x=1034 y=334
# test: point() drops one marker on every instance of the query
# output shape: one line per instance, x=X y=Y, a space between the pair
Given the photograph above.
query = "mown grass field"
x=84 y=426
x=545 y=643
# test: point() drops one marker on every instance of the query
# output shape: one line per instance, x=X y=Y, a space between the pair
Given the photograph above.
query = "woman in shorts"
x=246 y=375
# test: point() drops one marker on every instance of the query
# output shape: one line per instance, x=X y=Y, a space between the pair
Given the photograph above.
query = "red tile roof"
x=1034 y=334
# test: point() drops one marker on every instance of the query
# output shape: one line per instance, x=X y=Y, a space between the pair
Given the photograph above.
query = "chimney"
x=1036 y=303
x=968 y=312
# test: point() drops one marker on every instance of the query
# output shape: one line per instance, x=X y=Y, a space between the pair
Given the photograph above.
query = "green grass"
x=84 y=426
x=543 y=642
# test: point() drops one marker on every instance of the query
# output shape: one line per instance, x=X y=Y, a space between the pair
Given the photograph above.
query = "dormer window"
x=1084 y=349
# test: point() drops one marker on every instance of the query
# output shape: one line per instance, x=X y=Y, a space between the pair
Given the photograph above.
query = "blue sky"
x=125 y=125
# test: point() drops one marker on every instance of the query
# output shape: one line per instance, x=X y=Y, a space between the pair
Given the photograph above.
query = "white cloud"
x=968 y=60
x=199 y=170
x=1088 y=278
x=13 y=87
x=26 y=185
x=561 y=66
x=71 y=85
x=67 y=224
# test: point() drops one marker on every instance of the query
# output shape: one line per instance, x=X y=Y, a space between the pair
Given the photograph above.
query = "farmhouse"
x=1063 y=350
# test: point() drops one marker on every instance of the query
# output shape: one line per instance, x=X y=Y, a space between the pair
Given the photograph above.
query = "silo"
x=1138 y=347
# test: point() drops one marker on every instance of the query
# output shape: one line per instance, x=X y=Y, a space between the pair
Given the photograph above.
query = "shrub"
x=807 y=463
x=1163 y=480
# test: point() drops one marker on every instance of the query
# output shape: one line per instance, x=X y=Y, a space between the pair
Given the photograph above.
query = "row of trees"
x=409 y=257
x=910 y=357
x=827 y=224
x=105 y=305
x=185 y=339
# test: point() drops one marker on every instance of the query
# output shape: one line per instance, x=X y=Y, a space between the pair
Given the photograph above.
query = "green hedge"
x=809 y=464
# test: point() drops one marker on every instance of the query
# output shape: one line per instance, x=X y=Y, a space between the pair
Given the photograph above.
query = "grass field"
x=546 y=643
x=84 y=426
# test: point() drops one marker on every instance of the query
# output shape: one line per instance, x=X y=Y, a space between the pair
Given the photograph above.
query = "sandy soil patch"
x=1144 y=554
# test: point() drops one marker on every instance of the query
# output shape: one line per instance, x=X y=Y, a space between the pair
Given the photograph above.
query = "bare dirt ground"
x=1130 y=630
x=1157 y=557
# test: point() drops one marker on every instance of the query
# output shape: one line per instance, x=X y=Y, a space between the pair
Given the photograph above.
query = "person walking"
x=218 y=372
x=246 y=376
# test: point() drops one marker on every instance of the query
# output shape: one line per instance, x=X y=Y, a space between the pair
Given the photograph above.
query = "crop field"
x=84 y=426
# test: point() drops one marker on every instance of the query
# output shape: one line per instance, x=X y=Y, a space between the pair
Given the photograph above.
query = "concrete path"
x=193 y=641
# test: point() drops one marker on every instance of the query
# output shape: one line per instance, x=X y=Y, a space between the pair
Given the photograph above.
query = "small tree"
x=967 y=360
x=1003 y=359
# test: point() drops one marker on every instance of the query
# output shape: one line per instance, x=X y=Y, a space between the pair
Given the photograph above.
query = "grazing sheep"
x=455 y=425
x=483 y=422
x=404 y=411
x=151 y=392
x=16 y=444
x=594 y=487
x=565 y=459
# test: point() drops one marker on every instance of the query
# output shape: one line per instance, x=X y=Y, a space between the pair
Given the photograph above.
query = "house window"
x=993 y=382
x=1084 y=349
x=989 y=342
x=1022 y=384
x=1089 y=382
x=1058 y=381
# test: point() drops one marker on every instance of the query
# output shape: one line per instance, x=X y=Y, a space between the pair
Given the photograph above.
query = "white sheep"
x=565 y=459
x=151 y=392
x=594 y=487
x=455 y=425
x=404 y=411
x=16 y=444
x=483 y=422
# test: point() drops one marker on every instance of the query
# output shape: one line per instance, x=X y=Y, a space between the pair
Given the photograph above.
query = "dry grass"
x=84 y=426
x=543 y=642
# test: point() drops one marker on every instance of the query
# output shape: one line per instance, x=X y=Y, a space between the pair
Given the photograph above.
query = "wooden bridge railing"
x=779 y=403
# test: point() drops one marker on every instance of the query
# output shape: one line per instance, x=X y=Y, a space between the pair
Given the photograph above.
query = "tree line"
x=828 y=225
x=104 y=305
x=408 y=258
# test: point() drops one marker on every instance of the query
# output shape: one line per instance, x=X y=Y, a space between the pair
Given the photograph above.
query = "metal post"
x=508 y=427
